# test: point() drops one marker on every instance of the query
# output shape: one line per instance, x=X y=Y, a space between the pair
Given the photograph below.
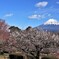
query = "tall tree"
x=31 y=41
x=4 y=33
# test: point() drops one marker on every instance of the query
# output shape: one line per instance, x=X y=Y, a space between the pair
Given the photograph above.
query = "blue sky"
x=24 y=13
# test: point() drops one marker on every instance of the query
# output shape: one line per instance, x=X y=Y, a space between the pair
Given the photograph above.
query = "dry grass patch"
x=3 y=57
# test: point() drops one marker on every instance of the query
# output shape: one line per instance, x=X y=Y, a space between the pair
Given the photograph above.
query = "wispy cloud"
x=36 y=16
x=8 y=15
x=41 y=4
x=49 y=15
x=57 y=2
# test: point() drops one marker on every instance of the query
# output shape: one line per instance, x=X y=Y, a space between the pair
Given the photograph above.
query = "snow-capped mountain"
x=51 y=21
x=50 y=25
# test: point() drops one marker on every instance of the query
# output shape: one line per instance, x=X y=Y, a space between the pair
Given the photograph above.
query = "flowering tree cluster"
x=4 y=33
x=31 y=41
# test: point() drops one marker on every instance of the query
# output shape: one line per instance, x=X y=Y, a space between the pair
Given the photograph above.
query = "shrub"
x=1 y=53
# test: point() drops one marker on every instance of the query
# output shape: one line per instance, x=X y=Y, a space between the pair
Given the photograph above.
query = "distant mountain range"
x=51 y=25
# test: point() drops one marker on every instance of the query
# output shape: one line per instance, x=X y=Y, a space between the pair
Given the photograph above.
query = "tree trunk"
x=38 y=54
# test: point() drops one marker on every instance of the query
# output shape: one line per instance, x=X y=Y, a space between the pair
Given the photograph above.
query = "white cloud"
x=41 y=4
x=8 y=15
x=57 y=2
x=35 y=16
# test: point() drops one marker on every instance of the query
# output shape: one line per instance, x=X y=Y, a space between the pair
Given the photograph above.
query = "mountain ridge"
x=51 y=25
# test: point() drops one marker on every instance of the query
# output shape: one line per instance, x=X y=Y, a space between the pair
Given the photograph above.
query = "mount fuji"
x=51 y=25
